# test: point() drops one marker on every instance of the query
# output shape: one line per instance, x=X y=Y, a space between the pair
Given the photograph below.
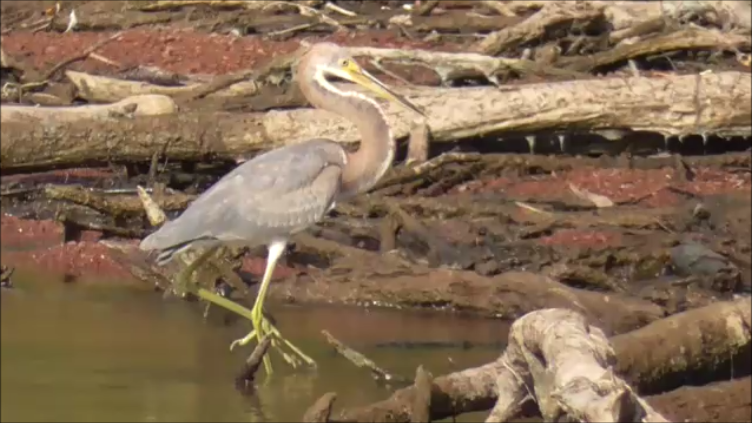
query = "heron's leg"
x=183 y=282
x=260 y=324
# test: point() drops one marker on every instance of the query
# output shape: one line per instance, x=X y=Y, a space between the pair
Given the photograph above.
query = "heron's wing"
x=273 y=195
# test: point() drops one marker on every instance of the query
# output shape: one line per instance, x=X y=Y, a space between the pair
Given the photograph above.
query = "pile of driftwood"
x=145 y=113
x=150 y=117
x=558 y=361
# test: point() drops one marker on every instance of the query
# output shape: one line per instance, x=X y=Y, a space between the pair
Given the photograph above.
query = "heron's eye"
x=345 y=63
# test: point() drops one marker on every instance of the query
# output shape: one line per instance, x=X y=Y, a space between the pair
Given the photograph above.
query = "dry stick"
x=447 y=64
x=307 y=11
x=277 y=65
x=50 y=73
x=683 y=39
x=536 y=26
x=166 y=5
x=119 y=205
x=339 y=9
x=73 y=223
x=426 y=8
x=403 y=174
x=360 y=360
x=301 y=27
x=252 y=363
x=320 y=411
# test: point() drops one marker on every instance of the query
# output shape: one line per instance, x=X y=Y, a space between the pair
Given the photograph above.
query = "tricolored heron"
x=267 y=199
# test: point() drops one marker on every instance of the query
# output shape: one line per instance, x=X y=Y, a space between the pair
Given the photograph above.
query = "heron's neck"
x=374 y=156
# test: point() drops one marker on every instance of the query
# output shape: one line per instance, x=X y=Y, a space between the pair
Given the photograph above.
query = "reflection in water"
x=116 y=353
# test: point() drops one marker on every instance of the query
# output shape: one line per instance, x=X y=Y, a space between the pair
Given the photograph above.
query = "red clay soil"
x=38 y=243
x=649 y=188
x=177 y=50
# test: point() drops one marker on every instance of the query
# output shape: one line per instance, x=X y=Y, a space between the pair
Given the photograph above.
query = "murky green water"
x=118 y=353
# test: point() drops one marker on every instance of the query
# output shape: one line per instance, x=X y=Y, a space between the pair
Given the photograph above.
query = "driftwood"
x=115 y=205
x=554 y=355
x=359 y=360
x=102 y=89
x=684 y=39
x=569 y=367
x=671 y=106
x=622 y=15
x=556 y=14
x=450 y=66
x=508 y=295
x=705 y=340
x=720 y=401
x=141 y=105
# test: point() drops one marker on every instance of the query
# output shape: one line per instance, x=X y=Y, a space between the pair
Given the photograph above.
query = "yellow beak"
x=363 y=78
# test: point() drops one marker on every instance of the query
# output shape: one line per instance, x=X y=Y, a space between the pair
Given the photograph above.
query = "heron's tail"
x=154 y=242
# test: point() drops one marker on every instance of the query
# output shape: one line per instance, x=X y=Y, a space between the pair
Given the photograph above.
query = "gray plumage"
x=274 y=195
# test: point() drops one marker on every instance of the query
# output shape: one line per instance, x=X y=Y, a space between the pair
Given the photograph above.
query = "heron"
x=268 y=199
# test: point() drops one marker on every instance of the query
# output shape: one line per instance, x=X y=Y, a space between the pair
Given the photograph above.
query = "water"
x=115 y=352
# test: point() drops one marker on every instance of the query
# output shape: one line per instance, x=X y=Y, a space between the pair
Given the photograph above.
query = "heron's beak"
x=363 y=78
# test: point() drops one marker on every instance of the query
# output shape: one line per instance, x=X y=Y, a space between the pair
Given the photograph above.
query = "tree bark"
x=714 y=103
x=700 y=343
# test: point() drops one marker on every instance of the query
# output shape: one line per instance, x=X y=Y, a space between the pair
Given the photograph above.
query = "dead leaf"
x=598 y=200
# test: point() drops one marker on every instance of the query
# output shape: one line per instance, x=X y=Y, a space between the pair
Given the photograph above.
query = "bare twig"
x=50 y=73
x=339 y=9
x=360 y=360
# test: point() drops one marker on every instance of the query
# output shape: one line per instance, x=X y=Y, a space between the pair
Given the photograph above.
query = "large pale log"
x=712 y=103
x=687 y=345
x=138 y=105
x=103 y=89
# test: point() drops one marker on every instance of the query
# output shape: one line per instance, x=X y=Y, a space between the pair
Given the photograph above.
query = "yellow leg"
x=261 y=326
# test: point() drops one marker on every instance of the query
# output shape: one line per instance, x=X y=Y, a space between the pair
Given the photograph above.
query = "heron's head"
x=332 y=60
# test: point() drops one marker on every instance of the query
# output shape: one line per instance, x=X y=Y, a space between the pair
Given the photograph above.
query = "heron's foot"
x=262 y=328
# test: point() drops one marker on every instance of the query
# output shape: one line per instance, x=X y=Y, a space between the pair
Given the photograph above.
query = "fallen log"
x=553 y=355
x=102 y=89
x=135 y=106
x=726 y=401
x=508 y=295
x=705 y=343
x=712 y=103
x=683 y=39
x=550 y=347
